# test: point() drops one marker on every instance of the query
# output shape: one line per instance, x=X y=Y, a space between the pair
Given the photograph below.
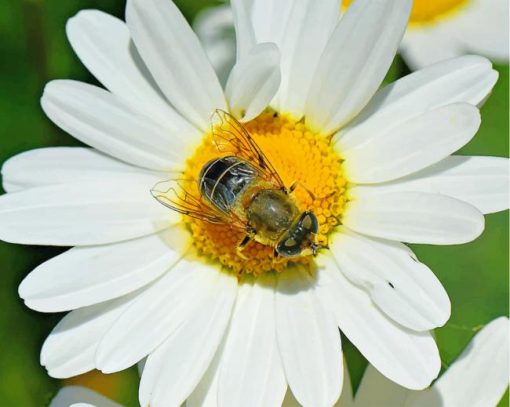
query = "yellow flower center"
x=429 y=11
x=297 y=154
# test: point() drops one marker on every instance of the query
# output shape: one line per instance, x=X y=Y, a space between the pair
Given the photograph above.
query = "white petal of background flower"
x=83 y=214
x=412 y=145
x=270 y=19
x=406 y=357
x=156 y=314
x=479 y=26
x=309 y=27
x=214 y=28
x=89 y=275
x=406 y=290
x=480 y=181
x=76 y=396
x=419 y=48
x=414 y=217
x=308 y=340
x=479 y=376
x=174 y=56
x=468 y=79
x=254 y=81
x=71 y=347
x=67 y=165
x=484 y=29
x=244 y=32
x=103 y=43
x=176 y=367
x=251 y=370
x=103 y=121
x=355 y=61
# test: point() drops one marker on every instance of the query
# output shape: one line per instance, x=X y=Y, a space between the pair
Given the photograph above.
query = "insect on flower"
x=241 y=188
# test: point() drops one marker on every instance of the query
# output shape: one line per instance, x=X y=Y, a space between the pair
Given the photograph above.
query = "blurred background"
x=34 y=50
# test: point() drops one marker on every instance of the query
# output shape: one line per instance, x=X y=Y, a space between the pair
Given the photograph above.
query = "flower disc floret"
x=297 y=155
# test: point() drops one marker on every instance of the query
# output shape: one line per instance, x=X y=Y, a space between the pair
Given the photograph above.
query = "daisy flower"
x=478 y=377
x=437 y=30
x=374 y=167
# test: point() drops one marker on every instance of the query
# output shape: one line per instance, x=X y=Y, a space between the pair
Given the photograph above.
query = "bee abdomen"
x=223 y=180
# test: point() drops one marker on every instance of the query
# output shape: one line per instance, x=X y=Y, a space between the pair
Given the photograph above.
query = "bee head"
x=300 y=239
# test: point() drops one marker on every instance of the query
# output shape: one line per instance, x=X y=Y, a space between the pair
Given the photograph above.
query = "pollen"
x=429 y=11
x=297 y=154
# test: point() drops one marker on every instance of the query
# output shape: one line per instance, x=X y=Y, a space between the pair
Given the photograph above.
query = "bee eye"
x=309 y=222
x=289 y=247
x=290 y=242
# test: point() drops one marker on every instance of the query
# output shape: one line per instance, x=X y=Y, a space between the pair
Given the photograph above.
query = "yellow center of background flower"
x=297 y=155
x=428 y=11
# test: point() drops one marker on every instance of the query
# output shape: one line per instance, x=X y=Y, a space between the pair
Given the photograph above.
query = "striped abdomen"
x=223 y=180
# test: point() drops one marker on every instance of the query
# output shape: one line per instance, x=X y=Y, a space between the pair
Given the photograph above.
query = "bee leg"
x=295 y=184
x=242 y=244
x=276 y=257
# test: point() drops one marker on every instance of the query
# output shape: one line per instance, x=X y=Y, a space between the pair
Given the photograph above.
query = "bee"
x=242 y=189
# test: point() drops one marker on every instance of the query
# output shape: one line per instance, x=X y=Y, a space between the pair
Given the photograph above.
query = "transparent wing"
x=176 y=195
x=230 y=136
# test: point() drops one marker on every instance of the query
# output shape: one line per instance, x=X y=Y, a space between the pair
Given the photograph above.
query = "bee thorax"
x=271 y=213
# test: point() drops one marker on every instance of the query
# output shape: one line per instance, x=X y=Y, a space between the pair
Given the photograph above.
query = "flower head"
x=144 y=281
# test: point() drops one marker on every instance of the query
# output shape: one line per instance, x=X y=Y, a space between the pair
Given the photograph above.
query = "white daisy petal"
x=253 y=82
x=70 y=348
x=376 y=390
x=176 y=367
x=82 y=214
x=156 y=314
x=355 y=61
x=103 y=121
x=174 y=56
x=77 y=396
x=414 y=217
x=404 y=289
x=468 y=79
x=205 y=393
x=308 y=340
x=406 y=357
x=67 y=165
x=479 y=376
x=103 y=44
x=481 y=181
x=89 y=275
x=413 y=145
x=251 y=370
x=309 y=27
x=245 y=35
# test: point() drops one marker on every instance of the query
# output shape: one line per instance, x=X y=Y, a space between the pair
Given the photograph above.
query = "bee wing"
x=231 y=136
x=174 y=194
